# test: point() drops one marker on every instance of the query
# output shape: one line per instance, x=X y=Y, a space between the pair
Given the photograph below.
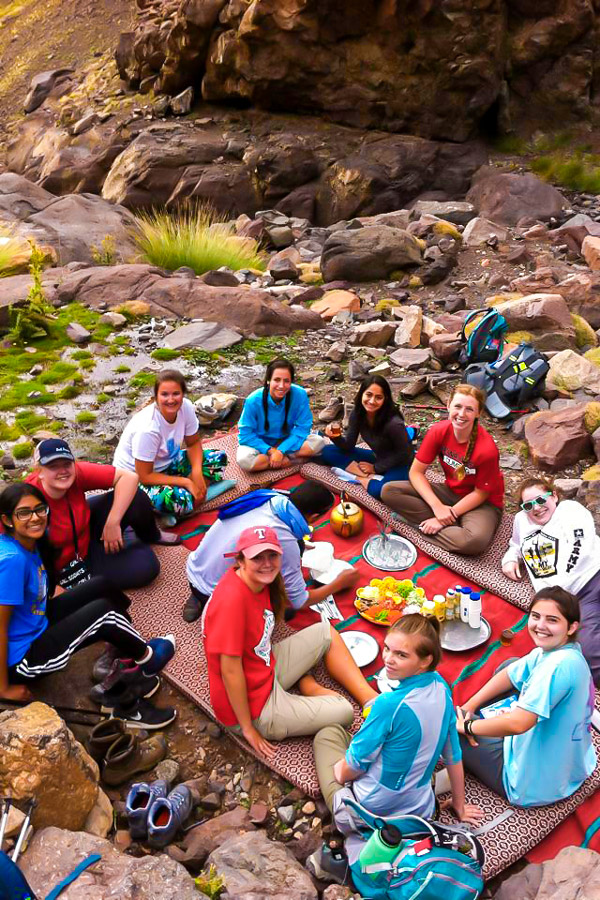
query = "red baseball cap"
x=253 y=541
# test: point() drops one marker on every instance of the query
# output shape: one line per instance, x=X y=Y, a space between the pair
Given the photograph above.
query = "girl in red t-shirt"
x=463 y=513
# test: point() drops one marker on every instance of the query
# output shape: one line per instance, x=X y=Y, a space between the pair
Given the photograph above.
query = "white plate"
x=337 y=566
x=384 y=683
x=363 y=647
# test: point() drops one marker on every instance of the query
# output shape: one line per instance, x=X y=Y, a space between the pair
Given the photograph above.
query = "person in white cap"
x=249 y=678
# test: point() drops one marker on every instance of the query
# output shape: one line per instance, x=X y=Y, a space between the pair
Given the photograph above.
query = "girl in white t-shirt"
x=161 y=443
x=555 y=541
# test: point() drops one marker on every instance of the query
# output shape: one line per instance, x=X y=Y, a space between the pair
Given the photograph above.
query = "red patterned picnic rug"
x=158 y=609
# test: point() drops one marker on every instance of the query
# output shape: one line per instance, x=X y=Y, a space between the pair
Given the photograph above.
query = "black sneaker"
x=142 y=714
x=138 y=684
x=105 y=663
x=192 y=609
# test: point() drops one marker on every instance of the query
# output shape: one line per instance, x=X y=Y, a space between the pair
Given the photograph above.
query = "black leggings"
x=136 y=565
x=93 y=611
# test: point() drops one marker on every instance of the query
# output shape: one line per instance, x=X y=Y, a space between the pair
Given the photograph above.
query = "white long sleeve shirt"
x=565 y=552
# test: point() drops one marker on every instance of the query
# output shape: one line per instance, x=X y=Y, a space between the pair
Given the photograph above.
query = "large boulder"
x=53 y=854
x=366 y=254
x=542 y=319
x=571 y=372
x=574 y=231
x=245 y=310
x=55 y=80
x=574 y=872
x=204 y=838
x=505 y=197
x=39 y=757
x=558 y=439
x=254 y=867
x=75 y=226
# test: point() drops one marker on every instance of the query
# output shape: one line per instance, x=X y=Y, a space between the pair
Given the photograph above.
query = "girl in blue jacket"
x=275 y=425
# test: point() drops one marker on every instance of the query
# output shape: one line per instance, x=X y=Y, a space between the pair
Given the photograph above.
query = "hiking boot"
x=168 y=814
x=328 y=865
x=334 y=410
x=102 y=736
x=192 y=609
x=104 y=663
x=132 y=679
x=140 y=798
x=128 y=756
x=163 y=651
x=142 y=714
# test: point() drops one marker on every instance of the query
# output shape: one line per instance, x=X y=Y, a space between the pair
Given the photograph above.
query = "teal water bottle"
x=383 y=846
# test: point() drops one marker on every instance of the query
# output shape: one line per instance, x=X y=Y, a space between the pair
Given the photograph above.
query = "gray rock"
x=280 y=235
x=254 y=867
x=204 y=838
x=53 y=854
x=77 y=333
x=41 y=85
x=7 y=462
x=169 y=770
x=286 y=814
x=511 y=461
x=411 y=359
x=369 y=253
x=459 y=212
x=505 y=197
x=209 y=336
x=568 y=487
x=356 y=370
x=373 y=334
x=220 y=278
x=211 y=802
x=86 y=122
x=117 y=320
x=337 y=351
x=282 y=268
x=480 y=230
x=182 y=103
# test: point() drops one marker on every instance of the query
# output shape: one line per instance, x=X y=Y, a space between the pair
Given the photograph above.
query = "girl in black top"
x=378 y=421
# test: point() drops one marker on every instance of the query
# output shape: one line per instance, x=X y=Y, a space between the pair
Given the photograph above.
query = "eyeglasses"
x=528 y=505
x=25 y=514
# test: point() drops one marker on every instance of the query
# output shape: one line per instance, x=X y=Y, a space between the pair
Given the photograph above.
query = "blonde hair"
x=427 y=630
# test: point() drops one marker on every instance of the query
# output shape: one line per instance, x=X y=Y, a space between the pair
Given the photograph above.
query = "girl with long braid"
x=462 y=514
x=275 y=425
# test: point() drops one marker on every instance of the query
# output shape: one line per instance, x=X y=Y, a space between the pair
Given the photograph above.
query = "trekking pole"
x=7 y=805
x=24 y=830
x=59 y=709
x=515 y=412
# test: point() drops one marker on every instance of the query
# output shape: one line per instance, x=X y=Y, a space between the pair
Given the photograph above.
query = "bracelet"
x=468 y=725
x=454 y=515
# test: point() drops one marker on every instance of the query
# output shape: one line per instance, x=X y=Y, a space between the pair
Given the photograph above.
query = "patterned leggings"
x=177 y=501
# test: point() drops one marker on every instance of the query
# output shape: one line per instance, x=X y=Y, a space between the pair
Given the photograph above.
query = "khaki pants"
x=472 y=534
x=330 y=745
x=246 y=456
x=290 y=715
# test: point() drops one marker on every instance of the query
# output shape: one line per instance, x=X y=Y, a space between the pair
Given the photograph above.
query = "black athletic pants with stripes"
x=93 y=611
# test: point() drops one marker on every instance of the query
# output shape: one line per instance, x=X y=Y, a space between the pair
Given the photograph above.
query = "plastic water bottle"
x=465 y=598
x=383 y=846
x=475 y=610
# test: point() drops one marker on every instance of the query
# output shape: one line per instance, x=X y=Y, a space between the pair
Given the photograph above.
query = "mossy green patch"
x=592 y=474
x=120 y=370
x=102 y=398
x=517 y=337
x=165 y=354
x=585 y=335
x=142 y=380
x=591 y=418
x=593 y=356
x=23 y=451
x=85 y=417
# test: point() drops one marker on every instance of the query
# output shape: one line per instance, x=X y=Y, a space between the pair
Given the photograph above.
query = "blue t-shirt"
x=551 y=760
x=404 y=735
x=252 y=431
x=24 y=586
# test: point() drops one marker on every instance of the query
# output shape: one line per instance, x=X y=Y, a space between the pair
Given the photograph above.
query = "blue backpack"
x=482 y=336
x=434 y=862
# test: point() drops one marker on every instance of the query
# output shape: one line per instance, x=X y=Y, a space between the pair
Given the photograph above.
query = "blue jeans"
x=333 y=456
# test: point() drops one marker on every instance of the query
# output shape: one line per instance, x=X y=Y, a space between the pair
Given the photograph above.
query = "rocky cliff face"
x=435 y=68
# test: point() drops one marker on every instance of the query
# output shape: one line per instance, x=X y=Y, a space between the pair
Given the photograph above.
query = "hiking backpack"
x=511 y=382
x=435 y=862
x=482 y=336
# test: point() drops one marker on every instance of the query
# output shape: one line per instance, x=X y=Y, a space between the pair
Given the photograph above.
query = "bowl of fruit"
x=384 y=600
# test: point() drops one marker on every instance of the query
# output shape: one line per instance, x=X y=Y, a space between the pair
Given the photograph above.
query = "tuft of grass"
x=85 y=417
x=102 y=398
x=120 y=370
x=142 y=380
x=14 y=252
x=196 y=237
x=22 y=451
x=578 y=172
x=165 y=354
x=210 y=883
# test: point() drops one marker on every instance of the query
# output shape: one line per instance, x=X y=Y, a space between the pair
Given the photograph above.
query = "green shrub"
x=194 y=237
x=120 y=370
x=105 y=254
x=210 y=883
x=23 y=451
x=31 y=320
x=579 y=172
x=165 y=354
x=102 y=398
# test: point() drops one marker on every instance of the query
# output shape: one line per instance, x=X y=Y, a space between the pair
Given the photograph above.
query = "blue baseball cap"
x=54 y=448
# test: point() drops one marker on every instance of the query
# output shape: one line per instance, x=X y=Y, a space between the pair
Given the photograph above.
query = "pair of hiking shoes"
x=122 y=754
x=125 y=688
x=156 y=814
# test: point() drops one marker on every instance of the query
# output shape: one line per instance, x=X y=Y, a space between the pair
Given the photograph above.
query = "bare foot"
x=310 y=687
x=364 y=480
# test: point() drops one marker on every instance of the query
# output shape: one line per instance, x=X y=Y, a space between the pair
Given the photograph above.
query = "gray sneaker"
x=329 y=865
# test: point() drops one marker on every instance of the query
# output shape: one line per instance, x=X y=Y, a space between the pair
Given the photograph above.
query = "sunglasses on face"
x=25 y=514
x=528 y=505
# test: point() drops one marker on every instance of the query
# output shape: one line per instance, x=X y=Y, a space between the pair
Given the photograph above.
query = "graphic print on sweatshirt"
x=263 y=648
x=540 y=552
x=453 y=463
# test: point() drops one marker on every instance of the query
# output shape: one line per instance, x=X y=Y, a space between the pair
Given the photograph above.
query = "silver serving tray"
x=407 y=553
x=457 y=635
